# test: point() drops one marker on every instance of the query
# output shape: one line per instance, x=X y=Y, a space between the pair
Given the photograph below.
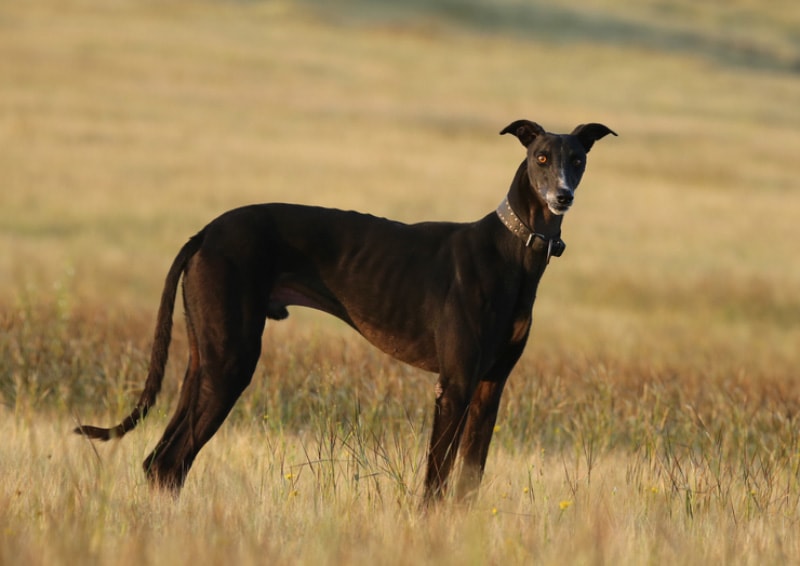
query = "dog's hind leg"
x=225 y=321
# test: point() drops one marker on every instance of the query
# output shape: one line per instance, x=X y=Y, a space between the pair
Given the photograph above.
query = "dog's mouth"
x=557 y=208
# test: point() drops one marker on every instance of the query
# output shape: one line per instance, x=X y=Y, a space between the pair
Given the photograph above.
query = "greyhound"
x=450 y=298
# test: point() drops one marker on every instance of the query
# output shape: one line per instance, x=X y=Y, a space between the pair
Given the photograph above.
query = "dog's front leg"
x=459 y=354
x=480 y=422
x=448 y=423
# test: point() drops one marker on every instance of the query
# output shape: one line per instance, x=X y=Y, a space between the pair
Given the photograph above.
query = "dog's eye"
x=542 y=159
x=577 y=162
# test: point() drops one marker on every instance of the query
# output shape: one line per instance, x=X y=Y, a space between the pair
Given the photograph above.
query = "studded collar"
x=512 y=221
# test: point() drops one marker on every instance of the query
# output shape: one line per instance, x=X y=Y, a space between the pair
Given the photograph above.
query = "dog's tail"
x=160 y=351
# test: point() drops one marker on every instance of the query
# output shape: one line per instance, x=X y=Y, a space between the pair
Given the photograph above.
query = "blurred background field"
x=668 y=331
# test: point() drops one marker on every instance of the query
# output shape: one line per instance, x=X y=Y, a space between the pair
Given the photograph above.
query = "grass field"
x=655 y=416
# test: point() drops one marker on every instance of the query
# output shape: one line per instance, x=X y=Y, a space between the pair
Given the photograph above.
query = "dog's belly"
x=293 y=294
x=414 y=347
x=418 y=351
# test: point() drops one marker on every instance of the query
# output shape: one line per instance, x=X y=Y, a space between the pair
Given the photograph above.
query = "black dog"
x=450 y=298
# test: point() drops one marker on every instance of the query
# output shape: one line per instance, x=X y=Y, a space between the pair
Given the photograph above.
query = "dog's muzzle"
x=561 y=202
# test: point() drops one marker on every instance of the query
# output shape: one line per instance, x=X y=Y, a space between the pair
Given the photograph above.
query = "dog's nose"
x=564 y=198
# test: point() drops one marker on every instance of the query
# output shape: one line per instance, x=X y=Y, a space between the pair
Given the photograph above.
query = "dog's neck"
x=527 y=217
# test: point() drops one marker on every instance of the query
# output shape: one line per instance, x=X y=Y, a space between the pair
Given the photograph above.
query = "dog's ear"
x=587 y=134
x=525 y=130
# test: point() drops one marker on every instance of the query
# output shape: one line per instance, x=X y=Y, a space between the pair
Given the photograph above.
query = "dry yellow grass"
x=332 y=496
x=661 y=380
x=598 y=457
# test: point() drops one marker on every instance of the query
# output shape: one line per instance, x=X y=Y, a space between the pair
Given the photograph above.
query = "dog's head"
x=556 y=162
